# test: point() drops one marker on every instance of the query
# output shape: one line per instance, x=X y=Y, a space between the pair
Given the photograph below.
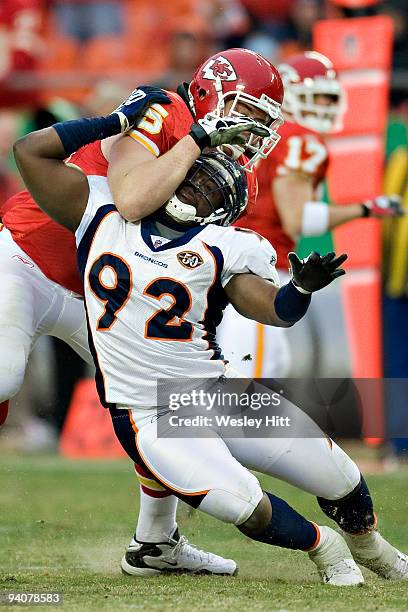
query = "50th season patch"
x=189 y=259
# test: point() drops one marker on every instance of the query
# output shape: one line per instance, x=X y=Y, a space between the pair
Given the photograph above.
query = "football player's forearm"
x=319 y=218
x=147 y=186
x=343 y=214
x=314 y=218
x=261 y=308
x=291 y=194
x=254 y=298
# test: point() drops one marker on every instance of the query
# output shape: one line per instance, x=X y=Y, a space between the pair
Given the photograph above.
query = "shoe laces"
x=401 y=564
x=342 y=567
x=183 y=547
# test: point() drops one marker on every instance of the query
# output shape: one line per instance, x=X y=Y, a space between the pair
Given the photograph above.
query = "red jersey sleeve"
x=158 y=131
x=163 y=125
x=90 y=159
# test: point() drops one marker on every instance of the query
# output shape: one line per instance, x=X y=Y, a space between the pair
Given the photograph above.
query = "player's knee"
x=259 y=519
x=347 y=475
x=354 y=512
x=234 y=507
x=10 y=386
x=12 y=369
x=14 y=337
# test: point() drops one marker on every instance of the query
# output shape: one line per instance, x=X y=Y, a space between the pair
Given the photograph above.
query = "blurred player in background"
x=20 y=48
x=141 y=169
x=288 y=201
x=155 y=290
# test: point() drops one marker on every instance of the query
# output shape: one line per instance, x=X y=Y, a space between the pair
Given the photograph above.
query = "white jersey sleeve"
x=246 y=251
x=99 y=196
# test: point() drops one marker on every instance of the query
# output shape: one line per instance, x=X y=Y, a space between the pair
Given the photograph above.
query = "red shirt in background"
x=299 y=150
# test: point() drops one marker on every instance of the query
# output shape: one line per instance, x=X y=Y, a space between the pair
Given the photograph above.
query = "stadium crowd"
x=61 y=59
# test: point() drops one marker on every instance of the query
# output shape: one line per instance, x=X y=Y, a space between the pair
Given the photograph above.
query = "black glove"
x=135 y=106
x=315 y=272
x=214 y=131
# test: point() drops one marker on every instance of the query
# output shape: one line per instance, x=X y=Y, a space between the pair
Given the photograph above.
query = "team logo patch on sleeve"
x=219 y=67
x=189 y=259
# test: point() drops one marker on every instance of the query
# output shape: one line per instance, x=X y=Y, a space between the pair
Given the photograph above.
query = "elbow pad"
x=315 y=219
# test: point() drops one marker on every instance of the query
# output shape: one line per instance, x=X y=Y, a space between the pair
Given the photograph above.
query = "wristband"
x=80 y=132
x=200 y=136
x=315 y=219
x=365 y=211
x=291 y=304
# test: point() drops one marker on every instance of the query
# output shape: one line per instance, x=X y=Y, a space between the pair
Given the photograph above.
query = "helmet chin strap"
x=185 y=213
x=218 y=89
x=179 y=211
x=191 y=101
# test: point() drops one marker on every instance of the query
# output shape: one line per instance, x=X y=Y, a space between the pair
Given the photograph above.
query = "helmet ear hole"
x=201 y=93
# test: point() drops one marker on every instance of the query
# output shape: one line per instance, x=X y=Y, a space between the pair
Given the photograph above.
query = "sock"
x=157 y=514
x=4 y=406
x=288 y=528
x=353 y=513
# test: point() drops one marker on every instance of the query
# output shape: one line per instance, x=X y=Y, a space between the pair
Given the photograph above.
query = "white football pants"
x=31 y=305
x=216 y=468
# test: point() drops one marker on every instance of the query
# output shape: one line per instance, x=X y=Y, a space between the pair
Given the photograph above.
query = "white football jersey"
x=152 y=305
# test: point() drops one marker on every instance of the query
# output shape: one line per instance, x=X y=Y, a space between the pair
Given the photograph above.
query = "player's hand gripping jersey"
x=299 y=150
x=51 y=246
x=152 y=310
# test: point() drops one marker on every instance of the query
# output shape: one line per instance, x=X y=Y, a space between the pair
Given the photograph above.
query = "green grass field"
x=64 y=526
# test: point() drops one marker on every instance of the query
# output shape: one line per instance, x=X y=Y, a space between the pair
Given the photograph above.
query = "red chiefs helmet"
x=240 y=76
x=306 y=76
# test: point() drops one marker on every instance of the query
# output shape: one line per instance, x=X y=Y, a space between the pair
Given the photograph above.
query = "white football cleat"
x=334 y=560
x=176 y=555
x=374 y=552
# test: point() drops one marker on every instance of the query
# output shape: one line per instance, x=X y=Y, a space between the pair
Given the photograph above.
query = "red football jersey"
x=51 y=246
x=163 y=126
x=299 y=150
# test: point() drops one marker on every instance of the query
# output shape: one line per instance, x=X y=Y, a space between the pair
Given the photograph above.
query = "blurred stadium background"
x=61 y=59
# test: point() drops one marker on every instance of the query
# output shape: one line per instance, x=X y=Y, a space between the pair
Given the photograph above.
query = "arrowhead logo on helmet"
x=221 y=68
x=229 y=82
